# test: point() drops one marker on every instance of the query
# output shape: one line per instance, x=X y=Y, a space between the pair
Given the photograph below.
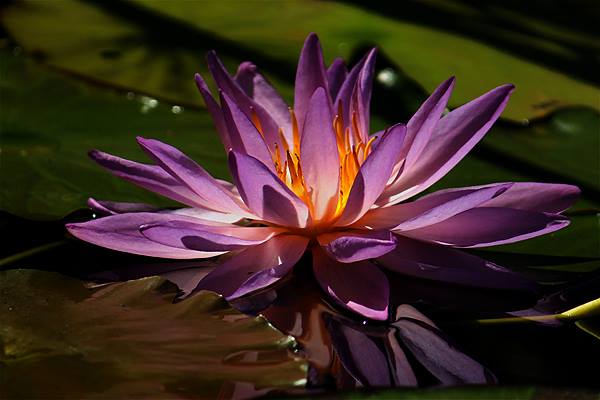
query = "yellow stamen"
x=256 y=122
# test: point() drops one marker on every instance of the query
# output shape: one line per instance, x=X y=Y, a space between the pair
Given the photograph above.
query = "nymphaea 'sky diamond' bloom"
x=312 y=178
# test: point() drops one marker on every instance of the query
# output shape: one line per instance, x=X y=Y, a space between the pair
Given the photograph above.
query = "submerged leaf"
x=129 y=340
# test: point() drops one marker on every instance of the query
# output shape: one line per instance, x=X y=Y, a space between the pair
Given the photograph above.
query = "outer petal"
x=180 y=166
x=151 y=177
x=362 y=94
x=373 y=175
x=226 y=83
x=260 y=90
x=362 y=355
x=430 y=209
x=310 y=75
x=214 y=110
x=432 y=348
x=105 y=208
x=255 y=267
x=489 y=226
x=121 y=232
x=245 y=137
x=421 y=125
x=320 y=160
x=438 y=263
x=197 y=236
x=454 y=136
x=265 y=194
x=336 y=74
x=207 y=215
x=541 y=197
x=359 y=73
x=360 y=286
x=355 y=246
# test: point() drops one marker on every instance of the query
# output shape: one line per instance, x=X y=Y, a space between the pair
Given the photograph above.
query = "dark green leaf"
x=61 y=339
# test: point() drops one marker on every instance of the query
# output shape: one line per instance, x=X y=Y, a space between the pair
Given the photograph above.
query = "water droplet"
x=130 y=95
x=387 y=77
x=176 y=109
x=148 y=103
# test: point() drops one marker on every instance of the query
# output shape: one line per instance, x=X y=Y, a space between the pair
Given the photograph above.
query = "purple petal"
x=197 y=236
x=213 y=195
x=272 y=260
x=151 y=177
x=106 y=208
x=362 y=94
x=245 y=138
x=421 y=125
x=351 y=246
x=320 y=160
x=260 y=90
x=214 y=110
x=352 y=80
x=336 y=74
x=454 y=136
x=122 y=233
x=360 y=354
x=489 y=226
x=439 y=263
x=226 y=84
x=361 y=286
x=310 y=75
x=430 y=209
x=265 y=194
x=373 y=175
x=541 y=197
x=208 y=216
x=436 y=352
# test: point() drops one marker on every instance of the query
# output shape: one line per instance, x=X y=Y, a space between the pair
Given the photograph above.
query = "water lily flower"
x=312 y=178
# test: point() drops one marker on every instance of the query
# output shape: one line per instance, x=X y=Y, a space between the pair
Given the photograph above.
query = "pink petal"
x=265 y=194
x=226 y=84
x=361 y=286
x=121 y=232
x=151 y=177
x=256 y=267
x=454 y=136
x=260 y=90
x=197 y=236
x=430 y=209
x=214 y=110
x=180 y=166
x=105 y=208
x=421 y=125
x=439 y=263
x=320 y=160
x=245 y=138
x=489 y=226
x=351 y=246
x=310 y=75
x=373 y=175
x=542 y=197
x=336 y=74
x=359 y=79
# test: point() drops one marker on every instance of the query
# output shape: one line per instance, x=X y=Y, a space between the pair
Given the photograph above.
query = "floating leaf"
x=128 y=339
x=49 y=124
x=129 y=50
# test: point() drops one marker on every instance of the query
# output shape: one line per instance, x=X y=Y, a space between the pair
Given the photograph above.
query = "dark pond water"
x=439 y=335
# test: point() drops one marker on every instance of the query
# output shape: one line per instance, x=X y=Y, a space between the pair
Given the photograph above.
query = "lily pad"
x=128 y=50
x=62 y=339
x=49 y=123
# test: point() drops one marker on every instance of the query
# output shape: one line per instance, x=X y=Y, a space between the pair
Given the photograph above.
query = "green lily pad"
x=49 y=123
x=62 y=339
x=130 y=51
